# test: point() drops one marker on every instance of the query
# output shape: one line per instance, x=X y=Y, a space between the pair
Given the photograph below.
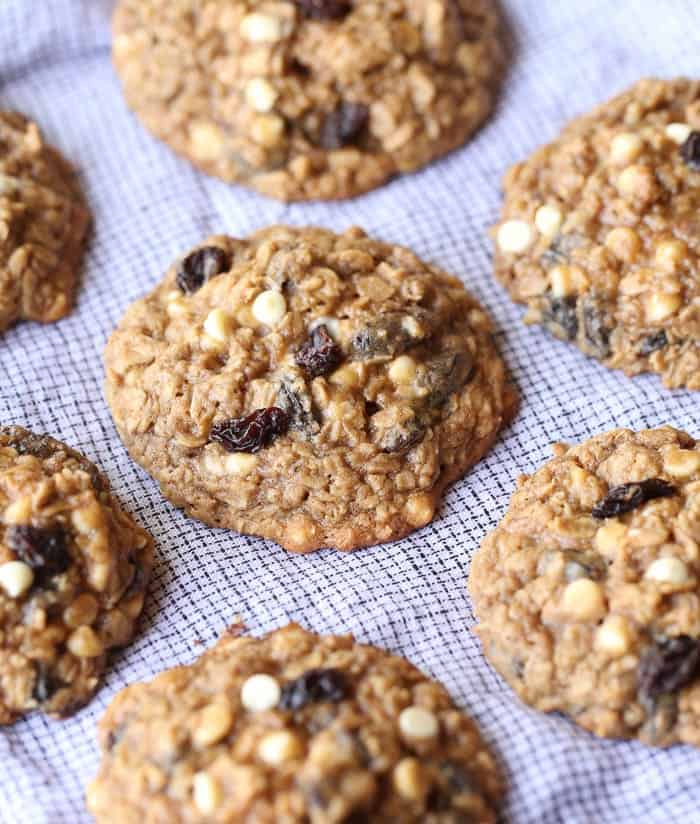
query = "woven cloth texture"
x=410 y=596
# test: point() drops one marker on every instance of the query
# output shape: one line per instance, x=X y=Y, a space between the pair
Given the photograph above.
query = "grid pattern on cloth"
x=409 y=596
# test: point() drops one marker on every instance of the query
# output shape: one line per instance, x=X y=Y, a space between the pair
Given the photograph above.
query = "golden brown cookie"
x=598 y=235
x=73 y=574
x=312 y=388
x=43 y=223
x=587 y=592
x=309 y=99
x=292 y=727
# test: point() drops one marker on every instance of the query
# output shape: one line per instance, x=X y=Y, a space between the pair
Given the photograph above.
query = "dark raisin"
x=43 y=549
x=667 y=666
x=653 y=343
x=444 y=375
x=295 y=399
x=314 y=686
x=200 y=266
x=324 y=9
x=320 y=355
x=46 y=683
x=626 y=497
x=690 y=151
x=371 y=408
x=252 y=432
x=391 y=334
x=401 y=437
x=559 y=316
x=596 y=332
x=344 y=125
x=560 y=250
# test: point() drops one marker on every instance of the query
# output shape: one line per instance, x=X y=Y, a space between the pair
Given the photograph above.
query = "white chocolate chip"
x=417 y=722
x=207 y=140
x=260 y=94
x=84 y=642
x=240 y=463
x=402 y=370
x=15 y=578
x=661 y=305
x=260 y=692
x=561 y=282
x=261 y=28
x=269 y=307
x=609 y=537
x=207 y=793
x=613 y=637
x=681 y=463
x=678 y=132
x=548 y=220
x=410 y=780
x=584 y=600
x=218 y=325
x=214 y=723
x=514 y=236
x=667 y=571
x=276 y=748
x=669 y=254
x=625 y=148
x=267 y=130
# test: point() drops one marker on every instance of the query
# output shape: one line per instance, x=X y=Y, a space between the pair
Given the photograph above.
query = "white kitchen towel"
x=409 y=596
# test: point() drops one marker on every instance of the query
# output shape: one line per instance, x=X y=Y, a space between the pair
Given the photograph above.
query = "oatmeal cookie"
x=587 y=591
x=292 y=727
x=599 y=232
x=309 y=99
x=312 y=388
x=73 y=570
x=43 y=224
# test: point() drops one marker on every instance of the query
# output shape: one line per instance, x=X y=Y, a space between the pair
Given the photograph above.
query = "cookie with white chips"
x=587 y=590
x=598 y=235
x=292 y=727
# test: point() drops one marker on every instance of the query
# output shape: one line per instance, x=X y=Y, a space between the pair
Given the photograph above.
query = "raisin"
x=344 y=125
x=320 y=355
x=626 y=497
x=391 y=335
x=199 y=267
x=653 y=343
x=43 y=549
x=46 y=684
x=252 y=432
x=559 y=316
x=560 y=250
x=312 y=687
x=667 y=666
x=690 y=151
x=596 y=333
x=444 y=375
x=324 y=9
x=295 y=399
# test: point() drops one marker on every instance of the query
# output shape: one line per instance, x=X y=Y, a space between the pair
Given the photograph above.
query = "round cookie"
x=292 y=727
x=43 y=224
x=312 y=388
x=598 y=234
x=73 y=570
x=309 y=99
x=587 y=590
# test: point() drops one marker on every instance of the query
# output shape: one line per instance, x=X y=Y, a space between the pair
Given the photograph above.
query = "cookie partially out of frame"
x=309 y=98
x=312 y=388
x=599 y=232
x=43 y=224
x=587 y=591
x=292 y=727
x=73 y=573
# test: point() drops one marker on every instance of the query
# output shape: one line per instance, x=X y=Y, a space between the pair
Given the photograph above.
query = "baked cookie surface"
x=312 y=388
x=73 y=571
x=587 y=590
x=311 y=98
x=43 y=224
x=292 y=727
x=598 y=234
